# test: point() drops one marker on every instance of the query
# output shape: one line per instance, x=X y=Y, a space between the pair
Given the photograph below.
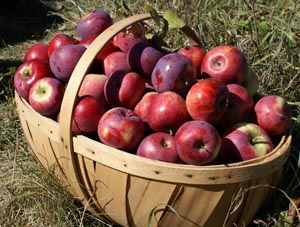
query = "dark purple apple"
x=174 y=72
x=142 y=59
x=252 y=82
x=94 y=23
x=64 y=59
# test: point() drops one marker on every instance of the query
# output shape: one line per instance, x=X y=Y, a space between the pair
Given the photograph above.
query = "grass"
x=266 y=31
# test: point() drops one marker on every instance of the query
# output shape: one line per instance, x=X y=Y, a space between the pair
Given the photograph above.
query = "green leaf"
x=173 y=20
x=154 y=14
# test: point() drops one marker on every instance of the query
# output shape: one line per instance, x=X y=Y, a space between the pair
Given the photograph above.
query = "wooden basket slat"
x=212 y=200
x=144 y=196
x=88 y=176
x=262 y=189
x=111 y=190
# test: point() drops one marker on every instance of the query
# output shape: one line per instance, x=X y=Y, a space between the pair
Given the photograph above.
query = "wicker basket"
x=129 y=190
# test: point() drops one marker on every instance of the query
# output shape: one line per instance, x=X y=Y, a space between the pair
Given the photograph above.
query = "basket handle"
x=76 y=79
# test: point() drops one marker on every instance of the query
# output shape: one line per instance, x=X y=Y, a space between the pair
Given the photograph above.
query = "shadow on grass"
x=24 y=19
x=21 y=20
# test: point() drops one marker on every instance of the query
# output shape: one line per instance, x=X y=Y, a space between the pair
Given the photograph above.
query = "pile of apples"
x=188 y=106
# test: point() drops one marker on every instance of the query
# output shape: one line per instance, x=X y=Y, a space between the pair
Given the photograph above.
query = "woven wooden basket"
x=129 y=190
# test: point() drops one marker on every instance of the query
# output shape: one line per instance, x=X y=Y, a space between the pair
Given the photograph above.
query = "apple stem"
x=258 y=139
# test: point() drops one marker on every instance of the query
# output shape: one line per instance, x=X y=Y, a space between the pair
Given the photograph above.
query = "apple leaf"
x=173 y=20
x=154 y=14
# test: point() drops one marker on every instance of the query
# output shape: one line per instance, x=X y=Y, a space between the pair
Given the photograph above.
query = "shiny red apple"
x=197 y=142
x=121 y=128
x=158 y=146
x=273 y=114
x=225 y=62
x=115 y=61
x=87 y=113
x=196 y=53
x=45 y=96
x=60 y=39
x=28 y=73
x=143 y=106
x=37 y=51
x=245 y=141
x=239 y=108
x=207 y=100
x=125 y=39
x=167 y=112
x=93 y=85
x=124 y=89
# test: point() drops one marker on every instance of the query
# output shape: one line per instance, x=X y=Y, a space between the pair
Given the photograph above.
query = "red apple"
x=121 y=128
x=143 y=106
x=60 y=40
x=207 y=100
x=196 y=54
x=239 y=108
x=273 y=114
x=197 y=142
x=124 y=89
x=167 y=112
x=225 y=62
x=115 y=61
x=93 y=23
x=64 y=59
x=130 y=36
x=37 y=51
x=174 y=72
x=45 y=96
x=93 y=85
x=245 y=141
x=87 y=114
x=158 y=146
x=28 y=73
